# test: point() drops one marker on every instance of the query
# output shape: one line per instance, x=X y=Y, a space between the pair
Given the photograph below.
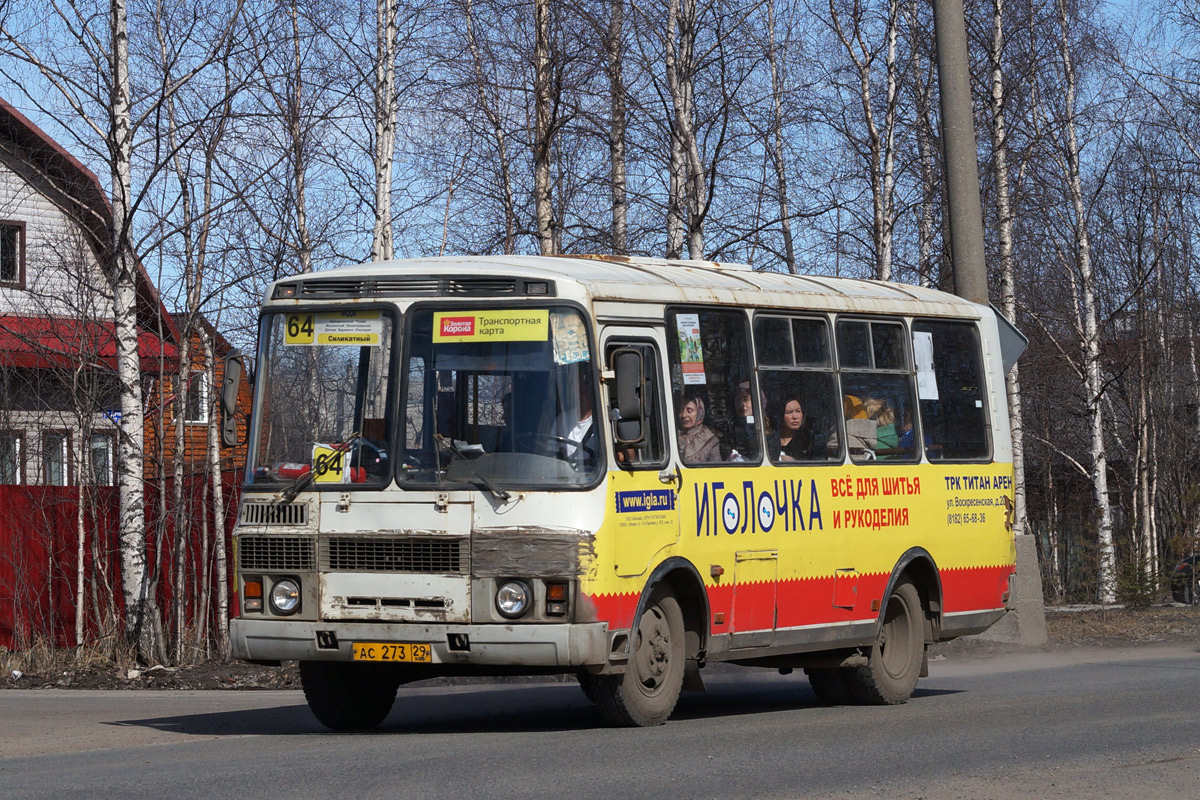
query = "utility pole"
x=1027 y=625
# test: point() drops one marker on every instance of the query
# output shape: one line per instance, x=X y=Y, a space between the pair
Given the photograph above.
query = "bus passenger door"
x=755 y=576
x=642 y=492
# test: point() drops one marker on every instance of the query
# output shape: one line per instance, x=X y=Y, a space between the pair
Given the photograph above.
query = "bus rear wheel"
x=894 y=664
x=645 y=695
x=347 y=696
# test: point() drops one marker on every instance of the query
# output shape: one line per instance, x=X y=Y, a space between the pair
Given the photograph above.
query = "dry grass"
x=1122 y=628
x=42 y=659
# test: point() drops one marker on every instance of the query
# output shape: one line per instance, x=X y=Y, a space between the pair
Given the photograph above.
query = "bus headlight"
x=285 y=596
x=513 y=598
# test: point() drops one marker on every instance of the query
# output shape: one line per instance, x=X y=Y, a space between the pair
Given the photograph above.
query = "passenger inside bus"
x=745 y=430
x=860 y=428
x=886 y=435
x=698 y=443
x=796 y=440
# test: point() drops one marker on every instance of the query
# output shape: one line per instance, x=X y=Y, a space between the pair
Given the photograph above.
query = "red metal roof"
x=50 y=342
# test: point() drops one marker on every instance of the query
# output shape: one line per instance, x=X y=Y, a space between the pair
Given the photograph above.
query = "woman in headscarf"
x=697 y=442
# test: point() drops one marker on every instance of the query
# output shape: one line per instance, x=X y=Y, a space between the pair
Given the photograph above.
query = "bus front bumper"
x=555 y=645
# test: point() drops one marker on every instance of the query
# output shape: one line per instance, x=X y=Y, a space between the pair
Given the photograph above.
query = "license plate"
x=399 y=652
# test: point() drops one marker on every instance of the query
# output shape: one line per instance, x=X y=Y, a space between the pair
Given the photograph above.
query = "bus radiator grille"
x=293 y=514
x=276 y=553
x=437 y=555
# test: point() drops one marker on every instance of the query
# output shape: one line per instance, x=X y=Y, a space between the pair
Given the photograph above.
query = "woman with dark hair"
x=795 y=434
x=697 y=442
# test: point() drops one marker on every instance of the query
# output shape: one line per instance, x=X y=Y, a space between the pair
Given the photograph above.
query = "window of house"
x=711 y=375
x=56 y=458
x=12 y=253
x=12 y=458
x=799 y=388
x=102 y=452
x=195 y=408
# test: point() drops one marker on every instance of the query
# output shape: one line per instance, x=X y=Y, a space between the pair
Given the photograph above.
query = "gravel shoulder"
x=1068 y=628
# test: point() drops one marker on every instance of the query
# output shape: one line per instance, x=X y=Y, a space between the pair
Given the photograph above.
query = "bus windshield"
x=322 y=415
x=499 y=398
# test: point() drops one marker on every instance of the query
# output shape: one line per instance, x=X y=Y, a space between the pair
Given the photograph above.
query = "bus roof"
x=623 y=279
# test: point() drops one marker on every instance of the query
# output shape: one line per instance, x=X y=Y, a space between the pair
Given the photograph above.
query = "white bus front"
x=404 y=463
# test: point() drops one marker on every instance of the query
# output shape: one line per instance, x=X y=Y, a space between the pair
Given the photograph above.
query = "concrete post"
x=1027 y=624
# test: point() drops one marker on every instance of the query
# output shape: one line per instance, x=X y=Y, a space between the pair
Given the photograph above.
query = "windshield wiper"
x=302 y=482
x=446 y=443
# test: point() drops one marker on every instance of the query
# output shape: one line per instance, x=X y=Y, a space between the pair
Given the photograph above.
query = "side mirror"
x=630 y=382
x=230 y=387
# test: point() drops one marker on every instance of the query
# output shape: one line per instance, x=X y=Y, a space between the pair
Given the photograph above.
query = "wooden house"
x=59 y=405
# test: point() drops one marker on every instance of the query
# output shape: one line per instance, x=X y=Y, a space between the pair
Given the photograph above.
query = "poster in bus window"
x=691 y=352
x=570 y=338
x=923 y=353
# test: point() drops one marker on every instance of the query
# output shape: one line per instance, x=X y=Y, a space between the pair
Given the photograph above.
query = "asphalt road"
x=1123 y=723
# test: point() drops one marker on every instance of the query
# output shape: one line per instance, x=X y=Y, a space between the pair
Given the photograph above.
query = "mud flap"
x=925 y=662
x=692 y=681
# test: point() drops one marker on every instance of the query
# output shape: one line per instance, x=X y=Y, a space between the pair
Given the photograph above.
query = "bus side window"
x=799 y=389
x=950 y=390
x=711 y=377
x=877 y=390
x=652 y=454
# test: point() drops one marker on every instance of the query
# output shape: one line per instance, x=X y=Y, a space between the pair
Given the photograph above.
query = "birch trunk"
x=689 y=189
x=676 y=200
x=1004 y=236
x=1194 y=364
x=218 y=506
x=299 y=151
x=181 y=522
x=80 y=539
x=385 y=126
x=139 y=604
x=1094 y=384
x=493 y=117
x=923 y=92
x=775 y=143
x=1143 y=520
x=544 y=122
x=615 y=59
x=881 y=144
x=887 y=224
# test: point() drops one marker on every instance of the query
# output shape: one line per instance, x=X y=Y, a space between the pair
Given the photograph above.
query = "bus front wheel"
x=894 y=664
x=346 y=696
x=646 y=693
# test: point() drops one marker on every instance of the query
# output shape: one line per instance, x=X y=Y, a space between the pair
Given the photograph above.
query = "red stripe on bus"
x=810 y=601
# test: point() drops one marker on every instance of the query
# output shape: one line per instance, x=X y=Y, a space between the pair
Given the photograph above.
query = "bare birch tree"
x=107 y=108
x=384 y=93
x=852 y=29
x=1004 y=242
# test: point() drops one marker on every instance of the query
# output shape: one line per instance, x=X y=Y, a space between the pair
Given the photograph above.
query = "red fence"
x=40 y=532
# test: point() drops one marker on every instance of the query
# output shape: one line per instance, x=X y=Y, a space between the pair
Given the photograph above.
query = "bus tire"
x=831 y=685
x=587 y=682
x=347 y=696
x=894 y=664
x=645 y=695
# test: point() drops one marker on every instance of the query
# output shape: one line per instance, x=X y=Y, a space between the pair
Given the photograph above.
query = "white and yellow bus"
x=621 y=468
